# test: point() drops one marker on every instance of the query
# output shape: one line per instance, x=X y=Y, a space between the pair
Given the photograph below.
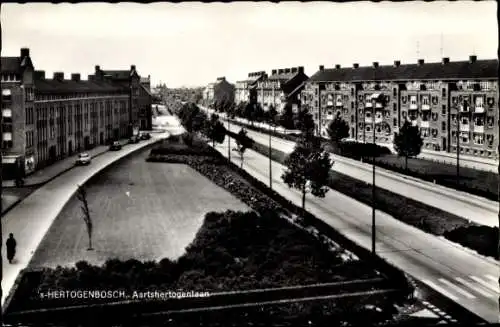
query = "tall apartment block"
x=281 y=88
x=246 y=90
x=220 y=90
x=444 y=99
x=47 y=119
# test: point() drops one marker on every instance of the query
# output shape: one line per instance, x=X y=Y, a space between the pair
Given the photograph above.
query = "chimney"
x=472 y=59
x=59 y=76
x=420 y=62
x=294 y=69
x=337 y=66
x=75 y=77
x=446 y=60
x=397 y=63
x=132 y=67
x=301 y=69
x=97 y=68
x=375 y=64
x=321 y=67
x=355 y=65
x=25 y=52
x=273 y=72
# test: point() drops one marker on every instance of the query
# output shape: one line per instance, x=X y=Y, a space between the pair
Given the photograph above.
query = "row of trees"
x=253 y=112
x=407 y=143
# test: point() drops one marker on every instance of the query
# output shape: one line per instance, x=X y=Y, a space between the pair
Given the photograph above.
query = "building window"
x=443 y=92
x=394 y=92
x=425 y=100
x=7 y=140
x=443 y=126
x=478 y=138
x=6 y=94
x=464 y=137
x=413 y=100
x=443 y=109
x=394 y=107
x=490 y=121
x=394 y=122
x=7 y=115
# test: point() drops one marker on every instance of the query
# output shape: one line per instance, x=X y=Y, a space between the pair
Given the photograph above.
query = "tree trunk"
x=304 y=197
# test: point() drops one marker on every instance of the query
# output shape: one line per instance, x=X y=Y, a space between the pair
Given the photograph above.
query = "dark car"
x=145 y=136
x=133 y=139
x=115 y=146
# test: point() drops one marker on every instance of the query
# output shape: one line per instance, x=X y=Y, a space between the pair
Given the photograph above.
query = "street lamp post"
x=373 y=178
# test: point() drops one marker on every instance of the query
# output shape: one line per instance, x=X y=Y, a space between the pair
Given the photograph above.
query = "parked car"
x=115 y=146
x=133 y=139
x=145 y=136
x=83 y=159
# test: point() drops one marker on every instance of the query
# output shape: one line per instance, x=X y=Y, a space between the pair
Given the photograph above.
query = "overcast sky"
x=194 y=43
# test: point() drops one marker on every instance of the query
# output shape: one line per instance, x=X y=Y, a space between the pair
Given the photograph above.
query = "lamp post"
x=374 y=101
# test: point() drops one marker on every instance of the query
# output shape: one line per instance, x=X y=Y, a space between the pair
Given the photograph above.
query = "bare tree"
x=82 y=196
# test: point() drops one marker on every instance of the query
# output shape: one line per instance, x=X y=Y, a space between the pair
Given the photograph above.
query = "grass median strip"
x=428 y=219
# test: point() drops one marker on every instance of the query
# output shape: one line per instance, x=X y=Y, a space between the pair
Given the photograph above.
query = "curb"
x=11 y=292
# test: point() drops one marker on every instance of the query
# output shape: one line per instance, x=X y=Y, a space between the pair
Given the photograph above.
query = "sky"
x=191 y=44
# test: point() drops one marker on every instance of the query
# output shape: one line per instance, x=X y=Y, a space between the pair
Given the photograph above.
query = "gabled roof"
x=11 y=64
x=70 y=86
x=283 y=76
x=146 y=89
x=118 y=74
x=297 y=89
x=427 y=71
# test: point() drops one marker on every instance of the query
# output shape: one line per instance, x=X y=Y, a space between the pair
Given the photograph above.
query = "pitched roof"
x=428 y=71
x=11 y=64
x=283 y=76
x=70 y=86
x=146 y=89
x=296 y=90
x=117 y=74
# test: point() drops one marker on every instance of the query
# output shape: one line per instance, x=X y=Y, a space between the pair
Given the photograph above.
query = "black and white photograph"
x=210 y=164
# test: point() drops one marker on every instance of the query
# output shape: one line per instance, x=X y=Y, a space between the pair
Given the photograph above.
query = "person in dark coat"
x=11 y=247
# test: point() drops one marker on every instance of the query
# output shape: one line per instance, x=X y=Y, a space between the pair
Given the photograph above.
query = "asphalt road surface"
x=471 y=207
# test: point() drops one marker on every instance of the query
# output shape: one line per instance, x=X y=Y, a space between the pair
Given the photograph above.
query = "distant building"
x=276 y=89
x=246 y=90
x=47 y=119
x=219 y=91
x=444 y=99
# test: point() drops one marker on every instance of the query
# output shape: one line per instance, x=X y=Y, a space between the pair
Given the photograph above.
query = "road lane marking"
x=485 y=284
x=440 y=289
x=473 y=287
x=492 y=278
x=456 y=288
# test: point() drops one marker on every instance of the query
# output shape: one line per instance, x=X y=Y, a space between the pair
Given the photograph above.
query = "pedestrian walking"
x=11 y=247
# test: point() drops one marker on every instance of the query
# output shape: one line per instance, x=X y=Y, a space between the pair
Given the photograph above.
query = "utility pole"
x=270 y=162
x=374 y=102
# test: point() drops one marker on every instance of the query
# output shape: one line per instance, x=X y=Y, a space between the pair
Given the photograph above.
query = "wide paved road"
x=474 y=208
x=459 y=274
x=32 y=217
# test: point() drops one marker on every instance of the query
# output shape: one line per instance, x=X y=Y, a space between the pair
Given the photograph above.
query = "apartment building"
x=445 y=99
x=46 y=119
x=219 y=91
x=246 y=90
x=278 y=89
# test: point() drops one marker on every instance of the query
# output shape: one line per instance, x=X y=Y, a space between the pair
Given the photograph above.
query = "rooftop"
x=11 y=64
x=422 y=71
x=70 y=86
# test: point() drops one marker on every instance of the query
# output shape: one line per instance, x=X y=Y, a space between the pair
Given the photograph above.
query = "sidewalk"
x=31 y=218
x=59 y=167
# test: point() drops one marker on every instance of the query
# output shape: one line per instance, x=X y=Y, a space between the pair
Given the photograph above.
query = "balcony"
x=368 y=120
x=413 y=106
x=368 y=105
x=424 y=124
x=338 y=103
x=378 y=105
x=463 y=108
x=464 y=127
x=426 y=107
x=479 y=110
x=329 y=103
x=478 y=129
